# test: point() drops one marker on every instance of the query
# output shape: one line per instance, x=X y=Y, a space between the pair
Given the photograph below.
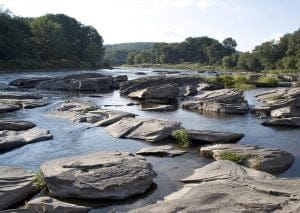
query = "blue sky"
x=250 y=22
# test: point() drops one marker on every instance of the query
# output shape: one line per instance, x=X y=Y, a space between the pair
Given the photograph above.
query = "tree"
x=229 y=61
x=230 y=44
x=250 y=62
x=289 y=62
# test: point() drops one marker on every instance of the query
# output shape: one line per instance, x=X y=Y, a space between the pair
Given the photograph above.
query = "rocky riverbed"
x=92 y=131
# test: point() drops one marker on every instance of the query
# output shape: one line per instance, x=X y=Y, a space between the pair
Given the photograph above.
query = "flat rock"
x=4 y=107
x=28 y=82
x=187 y=90
x=224 y=186
x=12 y=139
x=290 y=122
x=151 y=130
x=16 y=125
x=208 y=136
x=164 y=150
x=101 y=175
x=257 y=157
x=52 y=205
x=19 y=95
x=16 y=185
x=160 y=108
x=229 y=101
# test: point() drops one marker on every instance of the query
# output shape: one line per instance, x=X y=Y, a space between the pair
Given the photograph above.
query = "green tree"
x=289 y=62
x=249 y=62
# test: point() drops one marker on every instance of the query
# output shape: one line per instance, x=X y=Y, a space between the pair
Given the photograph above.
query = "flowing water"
x=75 y=138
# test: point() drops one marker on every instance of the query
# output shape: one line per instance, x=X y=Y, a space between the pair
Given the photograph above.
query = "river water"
x=74 y=138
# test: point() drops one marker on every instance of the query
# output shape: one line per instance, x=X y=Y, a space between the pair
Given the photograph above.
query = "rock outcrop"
x=16 y=185
x=16 y=125
x=229 y=101
x=12 y=139
x=289 y=122
x=160 y=108
x=78 y=82
x=224 y=186
x=164 y=150
x=208 y=136
x=101 y=175
x=256 y=157
x=52 y=205
x=151 y=130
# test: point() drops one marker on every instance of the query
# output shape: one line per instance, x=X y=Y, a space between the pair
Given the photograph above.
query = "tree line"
x=50 y=41
x=282 y=54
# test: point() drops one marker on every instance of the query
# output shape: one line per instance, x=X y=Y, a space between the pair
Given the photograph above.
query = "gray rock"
x=16 y=185
x=292 y=121
x=257 y=157
x=229 y=101
x=164 y=150
x=52 y=205
x=151 y=130
x=11 y=139
x=160 y=108
x=28 y=82
x=208 y=136
x=140 y=73
x=16 y=125
x=224 y=186
x=101 y=175
x=19 y=95
x=8 y=107
x=284 y=112
x=188 y=90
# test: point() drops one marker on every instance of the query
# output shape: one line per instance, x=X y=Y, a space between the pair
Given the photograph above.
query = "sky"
x=249 y=22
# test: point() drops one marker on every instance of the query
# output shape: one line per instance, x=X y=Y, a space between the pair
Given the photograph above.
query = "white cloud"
x=205 y=4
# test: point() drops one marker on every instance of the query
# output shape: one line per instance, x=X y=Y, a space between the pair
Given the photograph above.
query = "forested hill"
x=117 y=54
x=48 y=42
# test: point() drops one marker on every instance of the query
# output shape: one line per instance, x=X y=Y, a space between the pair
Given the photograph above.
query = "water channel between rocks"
x=75 y=139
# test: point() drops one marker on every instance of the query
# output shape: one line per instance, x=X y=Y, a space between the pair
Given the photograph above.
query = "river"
x=75 y=139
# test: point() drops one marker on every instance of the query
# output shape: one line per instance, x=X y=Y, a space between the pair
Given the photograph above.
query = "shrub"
x=268 y=79
x=182 y=137
x=237 y=158
x=39 y=180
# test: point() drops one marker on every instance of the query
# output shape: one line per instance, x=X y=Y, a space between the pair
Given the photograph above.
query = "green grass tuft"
x=237 y=158
x=182 y=137
x=39 y=180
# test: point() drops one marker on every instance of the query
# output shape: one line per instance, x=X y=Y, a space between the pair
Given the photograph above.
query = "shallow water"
x=74 y=138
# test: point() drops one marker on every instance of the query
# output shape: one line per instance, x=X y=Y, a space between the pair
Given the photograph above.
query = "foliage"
x=182 y=137
x=50 y=41
x=268 y=79
x=39 y=180
x=250 y=62
x=237 y=158
x=231 y=81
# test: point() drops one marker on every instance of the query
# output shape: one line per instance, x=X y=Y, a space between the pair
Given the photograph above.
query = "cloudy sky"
x=250 y=22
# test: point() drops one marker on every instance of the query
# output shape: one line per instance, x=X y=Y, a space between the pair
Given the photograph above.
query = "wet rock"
x=208 y=136
x=224 y=186
x=4 y=107
x=19 y=95
x=154 y=81
x=158 y=94
x=16 y=185
x=140 y=73
x=160 y=108
x=28 y=82
x=229 y=101
x=101 y=175
x=256 y=157
x=151 y=130
x=12 y=139
x=291 y=122
x=121 y=78
x=165 y=150
x=189 y=90
x=52 y=205
x=16 y=125
x=261 y=110
x=284 y=112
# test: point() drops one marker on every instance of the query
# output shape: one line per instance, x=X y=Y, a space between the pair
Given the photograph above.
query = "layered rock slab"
x=16 y=184
x=224 y=186
x=16 y=125
x=151 y=130
x=165 y=150
x=228 y=101
x=265 y=159
x=101 y=175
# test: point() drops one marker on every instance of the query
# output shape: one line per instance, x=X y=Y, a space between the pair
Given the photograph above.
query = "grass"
x=282 y=71
x=231 y=81
x=182 y=137
x=39 y=180
x=88 y=109
x=268 y=79
x=237 y=158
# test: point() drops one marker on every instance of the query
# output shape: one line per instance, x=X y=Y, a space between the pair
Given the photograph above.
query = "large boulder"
x=101 y=175
x=229 y=101
x=208 y=136
x=289 y=122
x=165 y=150
x=12 y=139
x=28 y=82
x=151 y=130
x=155 y=81
x=224 y=186
x=52 y=205
x=16 y=185
x=255 y=157
x=16 y=125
